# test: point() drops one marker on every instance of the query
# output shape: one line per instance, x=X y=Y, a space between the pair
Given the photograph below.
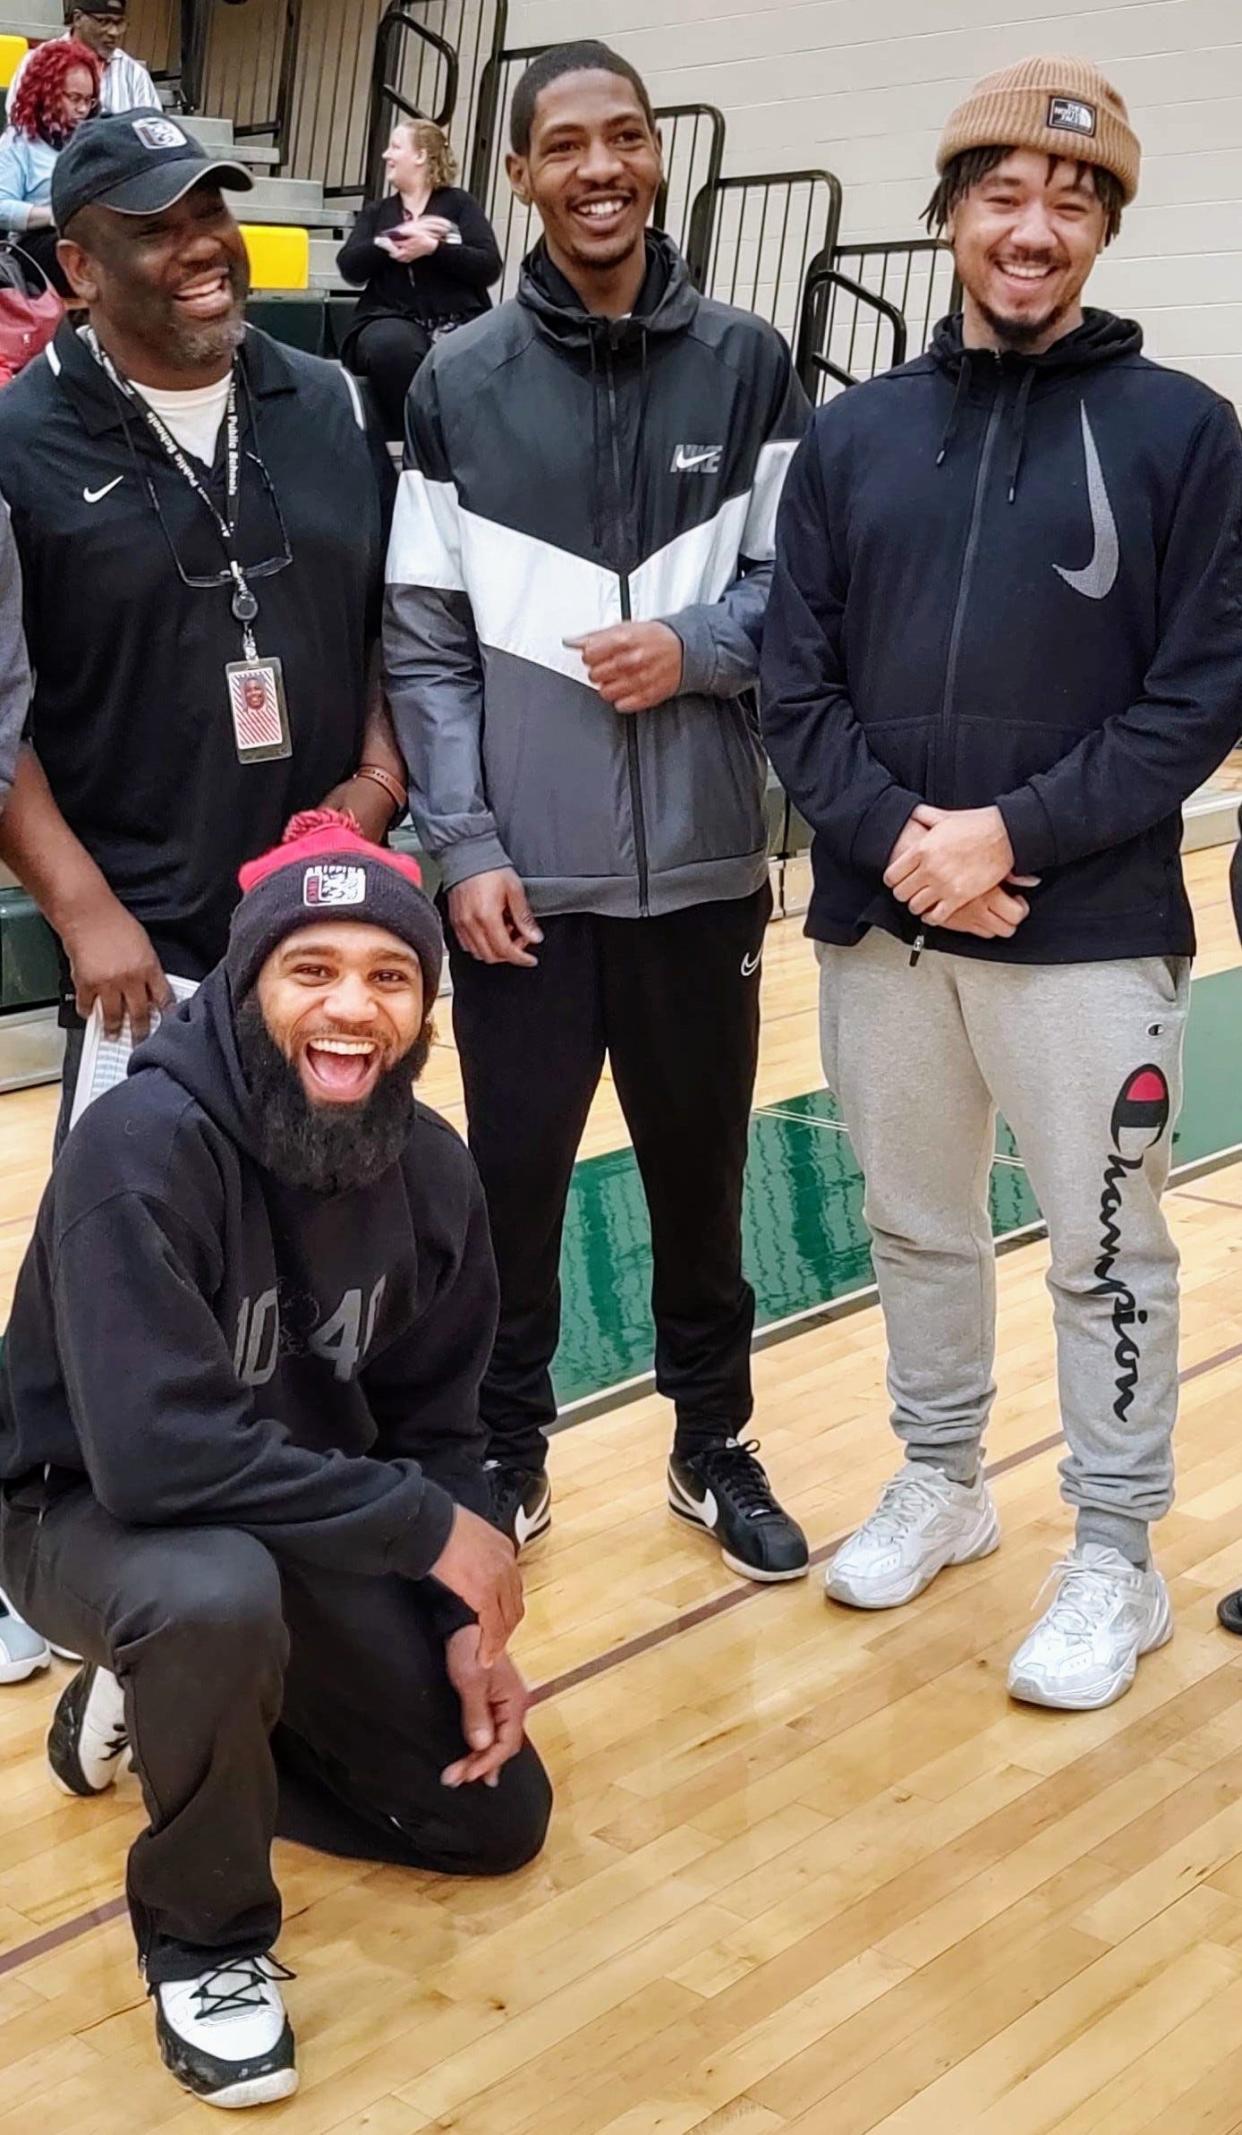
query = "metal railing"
x=841 y=333
x=752 y=240
x=865 y=308
x=414 y=76
x=915 y=274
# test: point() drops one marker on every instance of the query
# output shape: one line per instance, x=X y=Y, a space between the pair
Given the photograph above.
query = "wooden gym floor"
x=809 y=1870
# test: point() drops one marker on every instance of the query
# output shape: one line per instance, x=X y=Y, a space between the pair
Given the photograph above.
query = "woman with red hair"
x=58 y=89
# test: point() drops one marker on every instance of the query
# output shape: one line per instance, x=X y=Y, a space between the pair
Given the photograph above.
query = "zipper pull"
x=920 y=942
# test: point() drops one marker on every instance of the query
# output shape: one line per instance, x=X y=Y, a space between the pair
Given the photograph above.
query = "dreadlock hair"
x=587 y=56
x=968 y=170
x=38 y=109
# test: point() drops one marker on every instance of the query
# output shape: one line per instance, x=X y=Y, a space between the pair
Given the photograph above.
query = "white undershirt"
x=194 y=418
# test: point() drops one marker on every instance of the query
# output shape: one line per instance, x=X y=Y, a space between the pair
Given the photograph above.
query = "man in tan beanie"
x=1003 y=647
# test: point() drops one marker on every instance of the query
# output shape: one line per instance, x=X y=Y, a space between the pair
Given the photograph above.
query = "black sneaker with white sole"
x=88 y=1739
x=726 y=1492
x=521 y=1501
x=225 y=2035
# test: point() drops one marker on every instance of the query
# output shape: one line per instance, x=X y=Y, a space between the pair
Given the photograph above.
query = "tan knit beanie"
x=1061 y=107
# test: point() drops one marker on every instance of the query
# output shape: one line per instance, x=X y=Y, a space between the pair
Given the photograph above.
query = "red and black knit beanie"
x=324 y=869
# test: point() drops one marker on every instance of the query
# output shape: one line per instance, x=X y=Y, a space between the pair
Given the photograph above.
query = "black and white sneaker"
x=725 y=1491
x=521 y=1502
x=225 y=2035
x=88 y=1738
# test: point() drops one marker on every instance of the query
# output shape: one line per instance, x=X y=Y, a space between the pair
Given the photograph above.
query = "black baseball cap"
x=136 y=162
x=99 y=7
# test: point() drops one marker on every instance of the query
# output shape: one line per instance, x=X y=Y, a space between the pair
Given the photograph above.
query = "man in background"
x=102 y=25
x=577 y=581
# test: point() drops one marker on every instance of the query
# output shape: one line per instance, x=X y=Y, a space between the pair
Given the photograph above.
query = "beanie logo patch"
x=1067 y=115
x=333 y=884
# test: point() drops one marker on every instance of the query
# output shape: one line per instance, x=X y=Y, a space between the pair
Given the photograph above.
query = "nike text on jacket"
x=565 y=472
x=211 y=1348
x=1014 y=581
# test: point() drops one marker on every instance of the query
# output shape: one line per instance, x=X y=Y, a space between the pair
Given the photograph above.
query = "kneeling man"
x=241 y=1455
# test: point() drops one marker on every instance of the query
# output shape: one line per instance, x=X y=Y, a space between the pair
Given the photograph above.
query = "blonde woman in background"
x=427 y=256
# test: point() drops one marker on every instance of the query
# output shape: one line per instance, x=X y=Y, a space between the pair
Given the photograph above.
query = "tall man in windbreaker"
x=240 y=1452
x=1004 y=645
x=577 y=580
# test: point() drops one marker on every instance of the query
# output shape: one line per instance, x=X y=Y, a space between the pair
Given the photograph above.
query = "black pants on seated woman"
x=386 y=352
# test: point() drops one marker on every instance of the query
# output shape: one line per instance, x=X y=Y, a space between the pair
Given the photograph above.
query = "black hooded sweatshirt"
x=1012 y=580
x=211 y=1348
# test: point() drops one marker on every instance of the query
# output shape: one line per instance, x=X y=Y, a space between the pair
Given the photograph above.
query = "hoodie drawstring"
x=597 y=510
x=1021 y=404
x=959 y=398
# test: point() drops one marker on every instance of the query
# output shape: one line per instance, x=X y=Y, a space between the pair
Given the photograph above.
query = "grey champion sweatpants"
x=1085 y=1063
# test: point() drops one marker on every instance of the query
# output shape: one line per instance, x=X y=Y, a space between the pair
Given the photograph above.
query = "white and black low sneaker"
x=88 y=1741
x=225 y=2035
x=521 y=1501
x=725 y=1491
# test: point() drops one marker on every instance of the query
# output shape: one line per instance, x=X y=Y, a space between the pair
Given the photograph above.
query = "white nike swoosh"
x=93 y=496
x=687 y=463
x=703 y=1508
x=1099 y=577
x=750 y=964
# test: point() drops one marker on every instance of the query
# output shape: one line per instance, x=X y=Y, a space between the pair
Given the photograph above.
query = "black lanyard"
x=244 y=603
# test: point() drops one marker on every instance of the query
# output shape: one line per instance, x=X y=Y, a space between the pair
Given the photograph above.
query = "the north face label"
x=1067 y=115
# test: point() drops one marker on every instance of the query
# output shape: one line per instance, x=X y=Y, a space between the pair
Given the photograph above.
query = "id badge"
x=259 y=713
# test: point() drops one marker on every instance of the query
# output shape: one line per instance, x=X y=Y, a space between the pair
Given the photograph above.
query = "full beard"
x=327 y=1149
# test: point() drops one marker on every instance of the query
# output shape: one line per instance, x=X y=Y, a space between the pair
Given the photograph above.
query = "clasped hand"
x=954 y=869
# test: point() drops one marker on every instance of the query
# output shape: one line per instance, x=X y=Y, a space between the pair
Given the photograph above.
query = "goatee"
x=327 y=1149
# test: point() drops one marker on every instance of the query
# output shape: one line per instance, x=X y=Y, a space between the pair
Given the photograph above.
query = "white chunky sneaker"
x=922 y=1522
x=225 y=2035
x=1104 y=1616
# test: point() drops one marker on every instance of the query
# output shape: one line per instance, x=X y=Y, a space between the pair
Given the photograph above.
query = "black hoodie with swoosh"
x=1012 y=580
x=211 y=1348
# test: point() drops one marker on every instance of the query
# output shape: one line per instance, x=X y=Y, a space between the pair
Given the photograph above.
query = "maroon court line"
x=1208 y=1200
x=54 y=1938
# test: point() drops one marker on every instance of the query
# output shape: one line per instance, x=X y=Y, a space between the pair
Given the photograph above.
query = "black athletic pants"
x=387 y=351
x=312 y=1704
x=674 y=1005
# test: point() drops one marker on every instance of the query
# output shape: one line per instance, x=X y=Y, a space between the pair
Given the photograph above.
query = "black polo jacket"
x=130 y=716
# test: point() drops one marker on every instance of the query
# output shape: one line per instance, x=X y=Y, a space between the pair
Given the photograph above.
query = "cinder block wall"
x=862 y=86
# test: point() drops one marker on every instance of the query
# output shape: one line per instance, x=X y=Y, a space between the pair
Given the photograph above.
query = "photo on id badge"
x=257 y=704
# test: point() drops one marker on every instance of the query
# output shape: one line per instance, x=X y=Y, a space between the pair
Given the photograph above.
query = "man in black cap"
x=199 y=513
x=242 y=1458
x=101 y=26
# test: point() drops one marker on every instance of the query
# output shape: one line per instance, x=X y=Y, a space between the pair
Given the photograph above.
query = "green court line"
x=805 y=1239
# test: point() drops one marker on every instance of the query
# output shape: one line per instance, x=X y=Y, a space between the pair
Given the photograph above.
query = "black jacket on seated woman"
x=428 y=257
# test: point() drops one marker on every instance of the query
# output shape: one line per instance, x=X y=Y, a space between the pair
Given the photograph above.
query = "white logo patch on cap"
x=1067 y=115
x=329 y=882
x=160 y=133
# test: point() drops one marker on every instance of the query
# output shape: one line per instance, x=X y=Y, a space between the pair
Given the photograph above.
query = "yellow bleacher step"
x=279 y=255
x=13 y=50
